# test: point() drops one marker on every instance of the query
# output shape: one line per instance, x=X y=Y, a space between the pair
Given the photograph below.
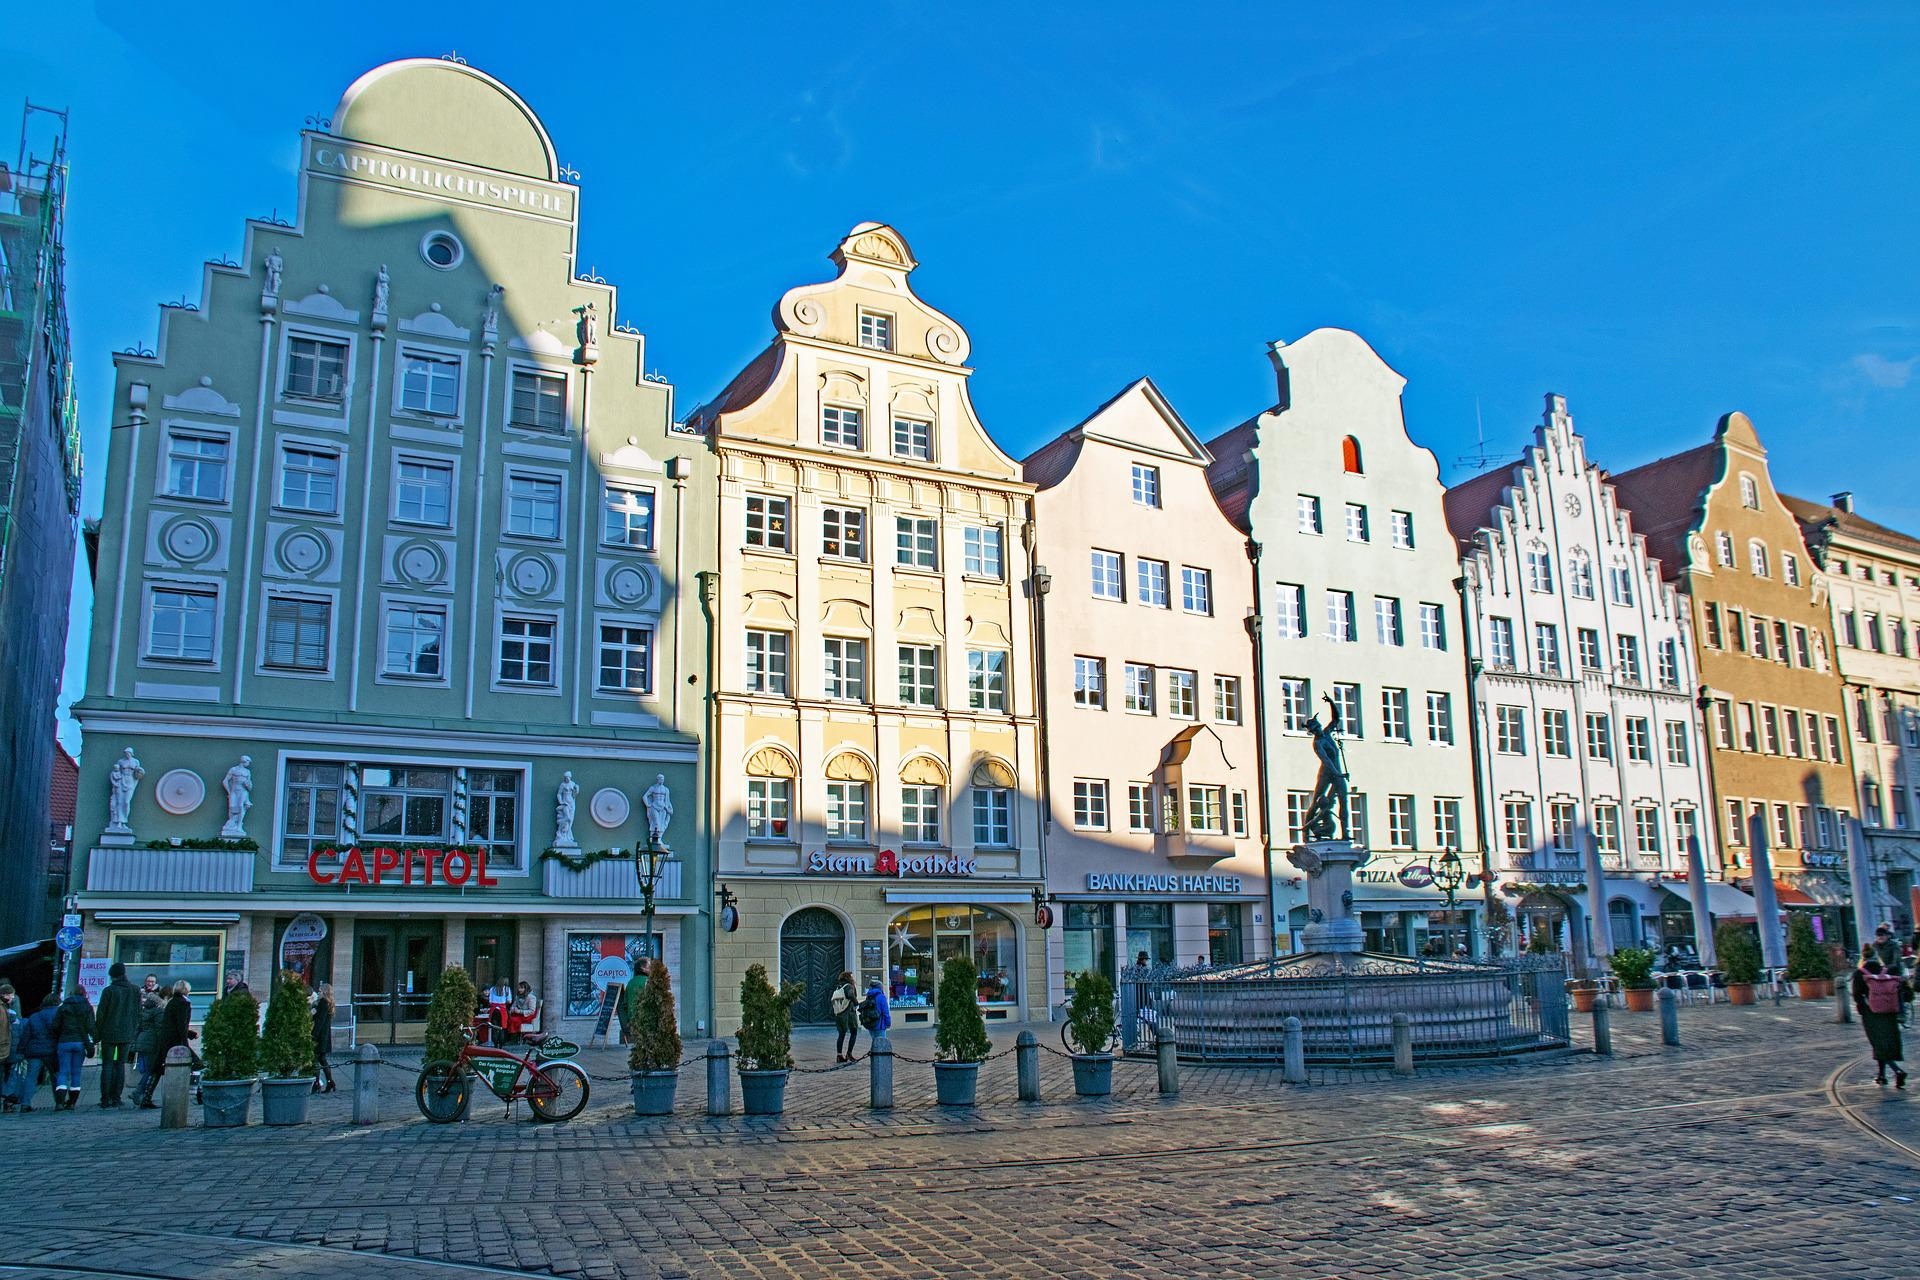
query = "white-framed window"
x=982 y=551
x=309 y=480
x=316 y=368
x=1680 y=754
x=413 y=641
x=1790 y=568
x=987 y=679
x=1400 y=834
x=1669 y=660
x=1138 y=679
x=1795 y=747
x=1626 y=652
x=1546 y=648
x=181 y=623
x=1140 y=808
x=846 y=813
x=1500 y=642
x=1346 y=701
x=1183 y=695
x=1296 y=816
x=876 y=330
x=920 y=814
x=1395 y=725
x=913 y=439
x=1757 y=560
x=1591 y=658
x=1580 y=576
x=1433 y=628
x=1639 y=740
x=840 y=426
x=1723 y=549
x=1296 y=703
x=768 y=527
x=1206 y=810
x=1237 y=808
x=533 y=505
x=1517 y=827
x=1510 y=730
x=1290 y=611
x=843 y=533
x=1646 y=831
x=1401 y=525
x=1555 y=739
x=1196 y=589
x=846 y=668
x=1226 y=699
x=539 y=401
x=626 y=517
x=1357 y=529
x=1307 y=513
x=1620 y=585
x=1446 y=824
x=1599 y=736
x=299 y=633
x=1146 y=485
x=993 y=817
x=1108 y=582
x=1749 y=492
x=526 y=650
x=1090 y=683
x=1539 y=572
x=920 y=675
x=423 y=492
x=626 y=657
x=1686 y=828
x=916 y=542
x=1440 y=719
x=1386 y=621
x=430 y=384
x=1340 y=621
x=1090 y=804
x=1150 y=583
x=769 y=809
x=1563 y=820
x=1606 y=829
x=197 y=463
x=767 y=662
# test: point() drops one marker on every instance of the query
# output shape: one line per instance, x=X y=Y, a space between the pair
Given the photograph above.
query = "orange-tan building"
x=1778 y=750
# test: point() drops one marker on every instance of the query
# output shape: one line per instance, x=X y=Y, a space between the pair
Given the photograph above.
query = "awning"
x=1790 y=896
x=1723 y=901
x=1822 y=888
x=1393 y=896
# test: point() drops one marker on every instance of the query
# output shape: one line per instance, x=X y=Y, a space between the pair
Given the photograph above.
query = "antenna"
x=1481 y=458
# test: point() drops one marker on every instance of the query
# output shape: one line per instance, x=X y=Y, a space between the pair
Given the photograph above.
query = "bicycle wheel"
x=442 y=1092
x=558 y=1091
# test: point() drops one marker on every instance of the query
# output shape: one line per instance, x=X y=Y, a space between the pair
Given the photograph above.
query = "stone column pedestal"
x=1333 y=924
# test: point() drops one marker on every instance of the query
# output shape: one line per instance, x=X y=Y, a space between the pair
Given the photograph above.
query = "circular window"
x=443 y=250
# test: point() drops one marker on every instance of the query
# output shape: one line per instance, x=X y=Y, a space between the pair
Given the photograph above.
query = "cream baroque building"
x=875 y=745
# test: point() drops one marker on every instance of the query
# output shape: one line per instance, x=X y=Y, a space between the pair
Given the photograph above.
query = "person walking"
x=1885 y=949
x=176 y=1030
x=9 y=1035
x=74 y=1034
x=322 y=1037
x=36 y=1047
x=1878 y=997
x=118 y=1022
x=875 y=1016
x=845 y=1003
x=153 y=1006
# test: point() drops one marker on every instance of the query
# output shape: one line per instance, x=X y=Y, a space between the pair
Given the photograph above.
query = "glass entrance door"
x=395 y=967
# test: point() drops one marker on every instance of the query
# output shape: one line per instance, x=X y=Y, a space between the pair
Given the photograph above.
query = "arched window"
x=923 y=787
x=917 y=938
x=770 y=774
x=1350 y=457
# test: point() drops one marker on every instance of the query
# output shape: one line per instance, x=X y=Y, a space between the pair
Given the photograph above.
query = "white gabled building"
x=1583 y=684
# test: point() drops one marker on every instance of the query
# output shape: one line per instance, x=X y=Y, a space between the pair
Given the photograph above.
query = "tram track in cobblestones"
x=1853 y=1116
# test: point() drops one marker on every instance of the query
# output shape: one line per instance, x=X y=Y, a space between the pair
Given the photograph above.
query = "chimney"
x=1843 y=501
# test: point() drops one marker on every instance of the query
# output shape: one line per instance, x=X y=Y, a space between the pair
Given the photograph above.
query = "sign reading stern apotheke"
x=888 y=863
x=1103 y=883
x=438 y=178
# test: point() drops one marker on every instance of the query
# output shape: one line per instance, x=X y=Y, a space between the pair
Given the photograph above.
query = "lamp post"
x=648 y=863
x=1449 y=874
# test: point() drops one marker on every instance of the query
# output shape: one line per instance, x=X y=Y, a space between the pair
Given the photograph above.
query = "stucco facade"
x=396 y=525
x=1154 y=841
x=875 y=760
x=1583 y=686
x=1354 y=586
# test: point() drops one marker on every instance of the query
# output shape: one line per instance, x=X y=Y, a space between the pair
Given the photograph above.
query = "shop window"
x=1087 y=939
x=1150 y=932
x=921 y=940
x=175 y=955
x=1225 y=944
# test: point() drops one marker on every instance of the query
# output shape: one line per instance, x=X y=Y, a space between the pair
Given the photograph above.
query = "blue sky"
x=1662 y=216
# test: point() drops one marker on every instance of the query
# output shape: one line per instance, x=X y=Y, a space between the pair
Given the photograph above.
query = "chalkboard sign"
x=615 y=992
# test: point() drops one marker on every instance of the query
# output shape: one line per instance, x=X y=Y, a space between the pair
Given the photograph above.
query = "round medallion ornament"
x=180 y=791
x=531 y=575
x=302 y=551
x=1572 y=503
x=189 y=539
x=629 y=585
x=609 y=807
x=421 y=564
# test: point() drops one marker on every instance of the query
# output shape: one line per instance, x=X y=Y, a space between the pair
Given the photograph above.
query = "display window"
x=173 y=954
x=919 y=941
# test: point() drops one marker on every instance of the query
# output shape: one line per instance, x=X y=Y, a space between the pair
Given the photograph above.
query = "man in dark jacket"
x=36 y=1045
x=118 y=1023
x=176 y=1029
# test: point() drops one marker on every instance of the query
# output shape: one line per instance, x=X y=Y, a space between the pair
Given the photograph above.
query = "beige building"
x=1152 y=760
x=1872 y=575
x=875 y=745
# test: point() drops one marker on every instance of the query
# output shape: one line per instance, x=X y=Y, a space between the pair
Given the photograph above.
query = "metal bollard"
x=719 y=1079
x=1026 y=1060
x=1402 y=1045
x=1294 y=1054
x=366 y=1085
x=1669 y=1015
x=1602 y=1029
x=175 y=1085
x=1164 y=1050
x=1843 y=999
x=880 y=1073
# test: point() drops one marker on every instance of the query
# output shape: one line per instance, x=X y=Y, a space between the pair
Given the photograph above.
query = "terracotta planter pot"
x=1809 y=988
x=1740 y=992
x=1640 y=999
x=1583 y=998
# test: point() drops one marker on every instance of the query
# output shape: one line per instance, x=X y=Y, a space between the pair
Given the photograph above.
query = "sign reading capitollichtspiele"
x=420 y=176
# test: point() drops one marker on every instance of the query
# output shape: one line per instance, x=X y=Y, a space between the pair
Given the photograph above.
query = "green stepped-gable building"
x=397 y=634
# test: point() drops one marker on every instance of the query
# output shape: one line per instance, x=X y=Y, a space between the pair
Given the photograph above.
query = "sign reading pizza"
x=455 y=866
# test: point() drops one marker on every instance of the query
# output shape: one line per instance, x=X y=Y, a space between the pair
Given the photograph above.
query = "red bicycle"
x=554 y=1088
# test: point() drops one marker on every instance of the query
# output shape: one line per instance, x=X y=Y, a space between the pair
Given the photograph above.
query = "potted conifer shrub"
x=1090 y=1025
x=1633 y=966
x=961 y=1036
x=655 y=1028
x=286 y=1054
x=766 y=1041
x=1808 y=965
x=450 y=1015
x=230 y=1059
x=1739 y=952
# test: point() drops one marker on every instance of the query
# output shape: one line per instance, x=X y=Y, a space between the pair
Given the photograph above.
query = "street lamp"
x=648 y=863
x=1449 y=874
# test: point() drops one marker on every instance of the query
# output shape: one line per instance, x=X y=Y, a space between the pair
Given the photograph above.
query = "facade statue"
x=238 y=784
x=1327 y=810
x=659 y=805
x=589 y=326
x=565 y=802
x=275 y=265
x=121 y=781
x=381 y=288
x=490 y=323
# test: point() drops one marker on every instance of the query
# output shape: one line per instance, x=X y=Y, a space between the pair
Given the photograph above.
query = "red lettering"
x=484 y=879
x=384 y=860
x=427 y=858
x=354 y=869
x=406 y=867
x=466 y=866
x=313 y=867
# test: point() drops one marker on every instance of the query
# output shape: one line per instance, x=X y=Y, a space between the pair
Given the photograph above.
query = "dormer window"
x=876 y=331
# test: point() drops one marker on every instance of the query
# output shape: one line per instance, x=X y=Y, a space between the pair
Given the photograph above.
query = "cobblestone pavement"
x=1760 y=1148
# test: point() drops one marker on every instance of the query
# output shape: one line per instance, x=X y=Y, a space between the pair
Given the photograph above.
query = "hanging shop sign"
x=301 y=943
x=1098 y=882
x=888 y=863
x=1823 y=859
x=1416 y=875
x=455 y=867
